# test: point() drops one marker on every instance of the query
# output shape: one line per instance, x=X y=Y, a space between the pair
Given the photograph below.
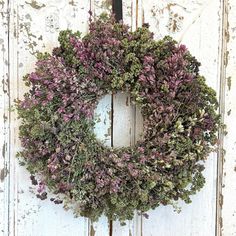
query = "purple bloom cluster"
x=179 y=111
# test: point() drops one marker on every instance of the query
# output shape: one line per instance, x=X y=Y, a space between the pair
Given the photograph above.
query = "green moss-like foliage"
x=179 y=111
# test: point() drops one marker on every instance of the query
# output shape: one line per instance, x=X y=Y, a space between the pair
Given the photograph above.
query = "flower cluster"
x=179 y=111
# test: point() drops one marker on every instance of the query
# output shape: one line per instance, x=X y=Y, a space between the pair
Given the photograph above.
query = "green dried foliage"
x=179 y=111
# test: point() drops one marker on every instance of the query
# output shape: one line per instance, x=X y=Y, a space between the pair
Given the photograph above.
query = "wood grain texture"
x=228 y=203
x=4 y=118
x=27 y=26
x=103 y=129
x=127 y=120
x=186 y=22
x=126 y=125
x=34 y=25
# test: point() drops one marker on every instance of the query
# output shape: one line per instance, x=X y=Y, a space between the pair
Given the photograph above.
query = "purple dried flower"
x=41 y=187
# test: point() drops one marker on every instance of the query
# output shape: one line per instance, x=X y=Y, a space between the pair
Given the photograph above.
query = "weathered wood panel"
x=126 y=125
x=227 y=224
x=103 y=132
x=34 y=25
x=127 y=120
x=4 y=119
x=197 y=24
x=104 y=109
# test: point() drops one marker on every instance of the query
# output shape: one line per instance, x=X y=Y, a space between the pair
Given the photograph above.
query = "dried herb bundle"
x=179 y=111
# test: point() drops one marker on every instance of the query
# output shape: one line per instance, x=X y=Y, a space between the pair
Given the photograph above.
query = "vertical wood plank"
x=127 y=123
x=186 y=22
x=227 y=199
x=127 y=115
x=32 y=19
x=123 y=135
x=123 y=120
x=222 y=83
x=103 y=128
x=4 y=119
x=103 y=133
x=35 y=26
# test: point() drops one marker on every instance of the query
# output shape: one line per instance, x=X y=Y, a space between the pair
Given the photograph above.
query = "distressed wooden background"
x=207 y=27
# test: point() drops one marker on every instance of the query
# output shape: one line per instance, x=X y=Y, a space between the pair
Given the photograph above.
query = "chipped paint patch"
x=28 y=17
x=108 y=134
x=127 y=101
x=226 y=58
x=130 y=234
x=52 y=22
x=35 y=5
x=175 y=22
x=110 y=114
x=229 y=82
x=72 y=3
x=2 y=3
x=4 y=85
x=221 y=200
x=4 y=150
x=107 y=4
x=3 y=174
x=29 y=38
x=92 y=231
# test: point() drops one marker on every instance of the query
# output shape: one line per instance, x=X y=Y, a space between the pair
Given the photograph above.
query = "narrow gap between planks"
x=222 y=77
x=118 y=12
x=7 y=129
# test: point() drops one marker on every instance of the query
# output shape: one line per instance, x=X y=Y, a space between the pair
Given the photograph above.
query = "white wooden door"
x=207 y=27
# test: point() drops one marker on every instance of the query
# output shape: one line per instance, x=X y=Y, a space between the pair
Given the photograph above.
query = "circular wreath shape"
x=57 y=121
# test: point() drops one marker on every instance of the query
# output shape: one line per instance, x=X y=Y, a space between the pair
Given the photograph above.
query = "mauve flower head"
x=25 y=104
x=50 y=96
x=38 y=93
x=41 y=187
x=141 y=149
x=143 y=159
x=45 y=102
x=34 y=101
x=148 y=60
x=34 y=77
x=126 y=156
x=182 y=48
x=61 y=110
x=67 y=117
x=115 y=185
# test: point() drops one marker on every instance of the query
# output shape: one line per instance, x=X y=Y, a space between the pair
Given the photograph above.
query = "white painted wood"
x=123 y=120
x=34 y=25
x=127 y=123
x=4 y=120
x=228 y=203
x=102 y=116
x=101 y=6
x=103 y=128
x=186 y=21
x=103 y=131
x=124 y=129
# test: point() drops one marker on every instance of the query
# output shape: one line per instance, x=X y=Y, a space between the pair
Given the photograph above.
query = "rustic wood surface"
x=207 y=27
x=228 y=197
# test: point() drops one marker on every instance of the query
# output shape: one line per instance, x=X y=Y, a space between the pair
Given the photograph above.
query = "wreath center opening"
x=118 y=121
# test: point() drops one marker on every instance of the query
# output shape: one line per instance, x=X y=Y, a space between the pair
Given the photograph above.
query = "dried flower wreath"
x=179 y=111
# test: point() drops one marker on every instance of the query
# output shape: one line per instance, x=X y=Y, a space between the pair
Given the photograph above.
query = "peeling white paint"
x=34 y=25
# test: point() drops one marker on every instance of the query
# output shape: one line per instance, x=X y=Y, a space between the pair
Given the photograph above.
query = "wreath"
x=57 y=121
